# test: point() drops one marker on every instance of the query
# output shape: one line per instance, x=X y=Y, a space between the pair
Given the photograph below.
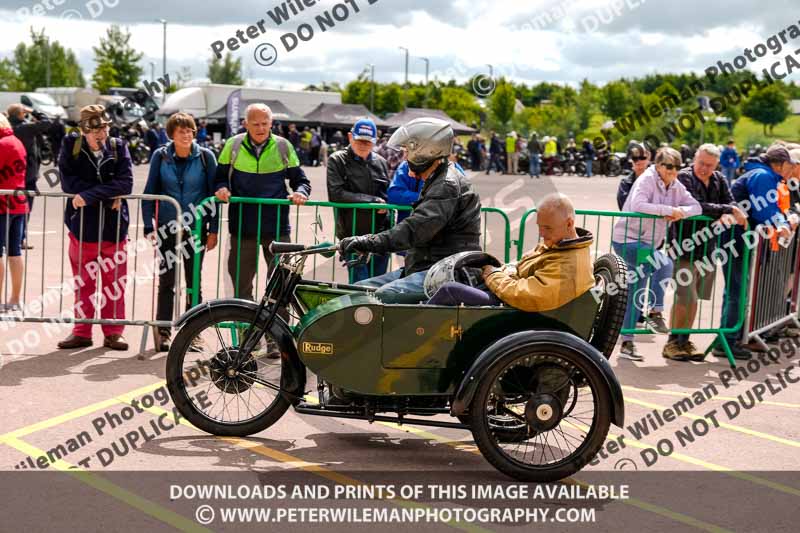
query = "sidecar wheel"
x=553 y=402
x=609 y=270
x=209 y=392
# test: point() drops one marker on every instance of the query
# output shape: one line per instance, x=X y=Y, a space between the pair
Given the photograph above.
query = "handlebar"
x=325 y=248
x=286 y=247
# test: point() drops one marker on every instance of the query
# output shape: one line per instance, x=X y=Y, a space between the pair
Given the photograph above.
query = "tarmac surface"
x=729 y=468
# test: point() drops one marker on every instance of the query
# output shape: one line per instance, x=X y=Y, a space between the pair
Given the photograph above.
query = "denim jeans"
x=730 y=174
x=535 y=165
x=394 y=289
x=732 y=297
x=454 y=293
x=378 y=264
x=588 y=168
x=638 y=296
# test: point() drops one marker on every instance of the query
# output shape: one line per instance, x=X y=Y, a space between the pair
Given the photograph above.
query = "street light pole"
x=427 y=72
x=164 y=57
x=405 y=86
x=371 y=87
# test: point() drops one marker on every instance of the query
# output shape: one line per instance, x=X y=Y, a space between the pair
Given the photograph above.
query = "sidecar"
x=508 y=375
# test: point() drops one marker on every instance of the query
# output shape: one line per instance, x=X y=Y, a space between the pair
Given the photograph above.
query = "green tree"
x=616 y=99
x=388 y=100
x=9 y=79
x=105 y=76
x=502 y=103
x=115 y=51
x=586 y=104
x=460 y=105
x=44 y=63
x=227 y=71
x=768 y=106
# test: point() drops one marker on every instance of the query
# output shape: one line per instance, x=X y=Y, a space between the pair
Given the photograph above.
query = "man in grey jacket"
x=357 y=175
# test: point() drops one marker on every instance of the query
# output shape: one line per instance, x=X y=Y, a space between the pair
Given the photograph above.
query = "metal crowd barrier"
x=774 y=292
x=312 y=223
x=56 y=290
x=709 y=308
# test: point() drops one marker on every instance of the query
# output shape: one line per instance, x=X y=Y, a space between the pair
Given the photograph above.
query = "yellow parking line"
x=77 y=413
x=314 y=468
x=732 y=427
x=115 y=491
x=646 y=506
x=719 y=398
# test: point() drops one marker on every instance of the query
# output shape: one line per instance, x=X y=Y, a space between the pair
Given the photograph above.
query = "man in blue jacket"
x=96 y=169
x=758 y=188
x=729 y=161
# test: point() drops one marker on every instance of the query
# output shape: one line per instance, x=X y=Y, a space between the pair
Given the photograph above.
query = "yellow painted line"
x=719 y=398
x=732 y=427
x=77 y=413
x=314 y=468
x=645 y=506
x=708 y=465
x=115 y=491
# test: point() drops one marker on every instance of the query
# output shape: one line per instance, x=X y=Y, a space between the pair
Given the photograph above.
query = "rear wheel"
x=613 y=166
x=609 y=270
x=213 y=393
x=553 y=401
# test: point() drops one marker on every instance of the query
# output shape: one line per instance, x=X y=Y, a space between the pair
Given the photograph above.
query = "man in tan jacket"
x=554 y=273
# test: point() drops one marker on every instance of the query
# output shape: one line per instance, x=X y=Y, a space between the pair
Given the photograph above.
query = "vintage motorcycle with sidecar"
x=535 y=389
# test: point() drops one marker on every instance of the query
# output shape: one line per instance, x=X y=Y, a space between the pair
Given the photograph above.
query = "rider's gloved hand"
x=352 y=245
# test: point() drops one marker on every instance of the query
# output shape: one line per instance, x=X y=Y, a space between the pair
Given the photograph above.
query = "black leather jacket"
x=446 y=220
x=352 y=180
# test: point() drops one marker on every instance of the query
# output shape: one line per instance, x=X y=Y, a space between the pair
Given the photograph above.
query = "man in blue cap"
x=358 y=175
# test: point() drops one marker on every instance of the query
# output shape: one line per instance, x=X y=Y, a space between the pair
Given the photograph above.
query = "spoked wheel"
x=541 y=413
x=214 y=393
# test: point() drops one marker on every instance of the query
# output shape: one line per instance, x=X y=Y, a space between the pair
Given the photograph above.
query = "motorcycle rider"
x=445 y=219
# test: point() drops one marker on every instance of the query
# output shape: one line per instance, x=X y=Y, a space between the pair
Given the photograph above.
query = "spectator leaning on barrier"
x=757 y=188
x=96 y=169
x=357 y=175
x=534 y=156
x=445 y=220
x=639 y=155
x=729 y=161
x=404 y=189
x=184 y=171
x=656 y=192
x=710 y=189
x=257 y=164
x=13 y=211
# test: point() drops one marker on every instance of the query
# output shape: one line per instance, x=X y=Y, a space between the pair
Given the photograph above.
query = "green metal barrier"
x=503 y=247
x=688 y=229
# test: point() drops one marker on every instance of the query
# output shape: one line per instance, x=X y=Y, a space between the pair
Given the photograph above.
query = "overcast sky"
x=528 y=40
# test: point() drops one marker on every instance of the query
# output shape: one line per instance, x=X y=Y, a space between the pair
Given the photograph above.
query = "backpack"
x=283 y=148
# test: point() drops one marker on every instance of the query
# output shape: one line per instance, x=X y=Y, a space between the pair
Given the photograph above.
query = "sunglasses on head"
x=670 y=166
x=642 y=158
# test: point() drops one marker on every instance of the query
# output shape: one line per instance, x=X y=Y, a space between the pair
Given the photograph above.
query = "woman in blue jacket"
x=185 y=171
